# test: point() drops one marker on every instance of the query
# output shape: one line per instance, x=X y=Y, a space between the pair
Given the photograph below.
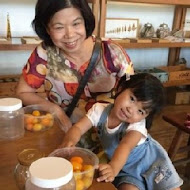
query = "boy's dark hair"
x=45 y=9
x=147 y=89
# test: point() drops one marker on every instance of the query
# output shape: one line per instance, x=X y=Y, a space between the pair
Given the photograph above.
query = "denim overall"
x=148 y=166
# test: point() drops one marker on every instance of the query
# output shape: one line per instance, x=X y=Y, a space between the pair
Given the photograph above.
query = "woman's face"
x=67 y=30
x=128 y=109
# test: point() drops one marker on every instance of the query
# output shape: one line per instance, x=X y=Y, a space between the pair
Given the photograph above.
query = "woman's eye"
x=76 y=24
x=132 y=98
x=59 y=28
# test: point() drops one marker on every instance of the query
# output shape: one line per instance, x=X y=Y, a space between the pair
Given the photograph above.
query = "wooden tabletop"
x=45 y=141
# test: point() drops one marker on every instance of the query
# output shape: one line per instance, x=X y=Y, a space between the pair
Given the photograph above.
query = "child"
x=136 y=160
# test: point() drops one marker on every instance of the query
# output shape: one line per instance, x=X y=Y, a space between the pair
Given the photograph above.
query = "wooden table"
x=177 y=120
x=45 y=141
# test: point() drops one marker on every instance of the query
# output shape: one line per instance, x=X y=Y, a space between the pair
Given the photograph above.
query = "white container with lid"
x=51 y=173
x=11 y=119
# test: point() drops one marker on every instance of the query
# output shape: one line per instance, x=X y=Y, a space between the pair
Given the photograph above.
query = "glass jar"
x=11 y=119
x=25 y=158
x=52 y=173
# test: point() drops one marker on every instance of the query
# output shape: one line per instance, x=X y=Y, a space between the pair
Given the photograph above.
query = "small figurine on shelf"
x=147 y=31
x=8 y=28
x=163 y=31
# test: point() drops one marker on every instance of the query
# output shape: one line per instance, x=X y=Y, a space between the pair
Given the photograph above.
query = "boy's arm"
x=120 y=156
x=75 y=132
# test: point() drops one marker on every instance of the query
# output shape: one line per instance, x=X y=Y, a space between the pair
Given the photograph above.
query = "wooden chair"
x=177 y=120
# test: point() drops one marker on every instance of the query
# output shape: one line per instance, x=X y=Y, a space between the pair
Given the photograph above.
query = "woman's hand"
x=106 y=173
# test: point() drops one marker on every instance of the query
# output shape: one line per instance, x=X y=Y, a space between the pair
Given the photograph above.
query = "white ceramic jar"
x=11 y=119
x=52 y=173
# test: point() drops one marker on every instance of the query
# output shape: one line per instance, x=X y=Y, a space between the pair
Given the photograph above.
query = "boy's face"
x=128 y=109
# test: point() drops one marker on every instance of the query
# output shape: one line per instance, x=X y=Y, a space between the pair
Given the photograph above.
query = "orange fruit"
x=37 y=127
x=49 y=115
x=76 y=159
x=28 y=118
x=90 y=170
x=76 y=166
x=36 y=113
x=29 y=126
x=45 y=121
x=35 y=120
x=87 y=167
x=79 y=184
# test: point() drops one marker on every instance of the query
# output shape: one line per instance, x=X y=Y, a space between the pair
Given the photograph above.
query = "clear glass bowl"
x=37 y=118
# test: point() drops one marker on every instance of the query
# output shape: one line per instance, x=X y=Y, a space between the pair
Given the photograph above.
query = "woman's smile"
x=71 y=45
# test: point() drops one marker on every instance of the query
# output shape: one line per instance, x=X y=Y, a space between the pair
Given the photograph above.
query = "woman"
x=58 y=64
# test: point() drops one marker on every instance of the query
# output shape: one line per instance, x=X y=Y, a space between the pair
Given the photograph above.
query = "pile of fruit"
x=83 y=173
x=38 y=121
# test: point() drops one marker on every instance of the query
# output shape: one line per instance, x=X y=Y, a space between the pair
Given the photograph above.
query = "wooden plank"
x=179 y=18
x=128 y=45
x=176 y=83
x=167 y=2
x=95 y=10
x=13 y=47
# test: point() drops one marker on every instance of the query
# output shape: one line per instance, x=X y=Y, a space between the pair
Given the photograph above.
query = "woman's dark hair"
x=147 y=89
x=45 y=10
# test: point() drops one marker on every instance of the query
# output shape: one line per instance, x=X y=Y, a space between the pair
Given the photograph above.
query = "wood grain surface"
x=45 y=141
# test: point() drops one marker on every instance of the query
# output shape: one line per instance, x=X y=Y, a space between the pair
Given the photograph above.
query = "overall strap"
x=104 y=116
x=102 y=122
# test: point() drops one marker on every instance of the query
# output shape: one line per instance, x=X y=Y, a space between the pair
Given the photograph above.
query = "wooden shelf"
x=131 y=45
x=15 y=47
x=166 y=2
x=176 y=83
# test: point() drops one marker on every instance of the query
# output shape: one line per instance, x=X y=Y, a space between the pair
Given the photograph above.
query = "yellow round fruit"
x=90 y=170
x=87 y=182
x=77 y=174
x=35 y=120
x=37 y=127
x=36 y=113
x=79 y=184
x=49 y=115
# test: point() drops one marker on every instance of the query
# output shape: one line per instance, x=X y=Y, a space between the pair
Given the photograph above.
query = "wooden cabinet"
x=178 y=23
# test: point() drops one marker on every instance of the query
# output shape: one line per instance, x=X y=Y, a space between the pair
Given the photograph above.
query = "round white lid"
x=51 y=172
x=10 y=104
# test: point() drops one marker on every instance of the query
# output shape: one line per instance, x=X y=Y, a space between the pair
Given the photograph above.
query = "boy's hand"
x=106 y=173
